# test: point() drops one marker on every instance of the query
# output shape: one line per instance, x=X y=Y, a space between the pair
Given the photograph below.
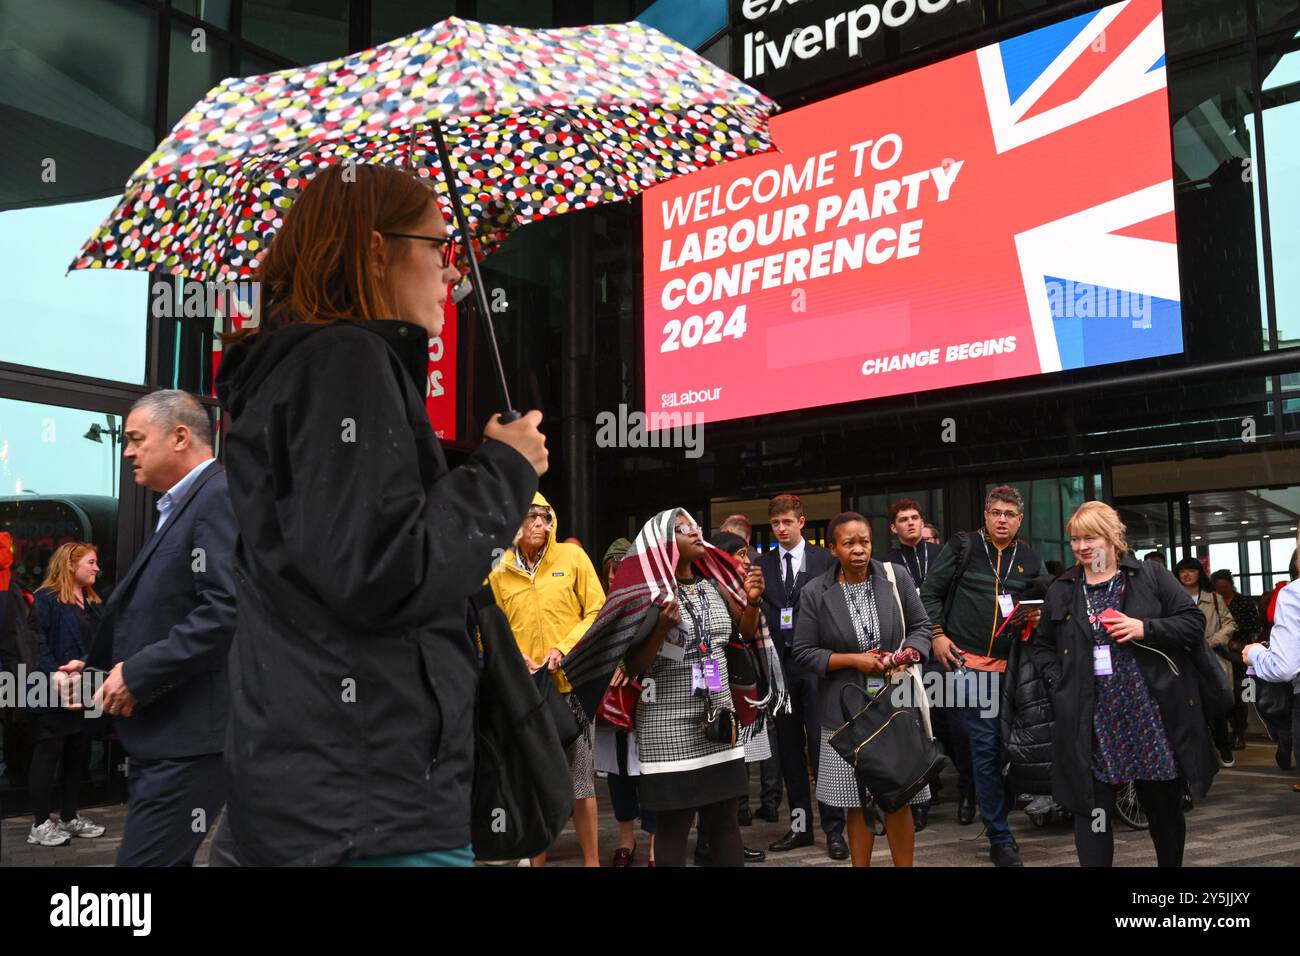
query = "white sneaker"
x=81 y=827
x=48 y=834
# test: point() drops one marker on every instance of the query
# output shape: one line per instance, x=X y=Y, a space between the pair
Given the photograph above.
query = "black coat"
x=825 y=628
x=1062 y=650
x=353 y=675
x=171 y=620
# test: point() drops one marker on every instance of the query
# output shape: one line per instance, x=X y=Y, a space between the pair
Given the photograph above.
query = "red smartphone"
x=1110 y=616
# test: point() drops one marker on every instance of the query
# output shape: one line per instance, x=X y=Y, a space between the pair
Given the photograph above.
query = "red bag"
x=618 y=706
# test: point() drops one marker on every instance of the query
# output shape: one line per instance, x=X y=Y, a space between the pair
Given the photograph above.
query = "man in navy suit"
x=786 y=569
x=166 y=633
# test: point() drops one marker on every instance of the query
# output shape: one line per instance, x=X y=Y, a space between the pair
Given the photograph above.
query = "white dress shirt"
x=796 y=553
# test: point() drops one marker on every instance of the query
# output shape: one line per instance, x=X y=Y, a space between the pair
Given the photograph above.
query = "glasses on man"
x=1009 y=515
x=543 y=516
x=448 y=246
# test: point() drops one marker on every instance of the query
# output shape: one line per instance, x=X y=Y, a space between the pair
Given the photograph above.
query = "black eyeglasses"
x=448 y=247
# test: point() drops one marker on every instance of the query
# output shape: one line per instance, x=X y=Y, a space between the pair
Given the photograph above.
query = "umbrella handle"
x=509 y=416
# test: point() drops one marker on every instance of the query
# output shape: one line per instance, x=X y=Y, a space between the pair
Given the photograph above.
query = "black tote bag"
x=523 y=791
x=887 y=744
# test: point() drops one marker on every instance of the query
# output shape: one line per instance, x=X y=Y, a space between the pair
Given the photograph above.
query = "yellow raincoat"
x=553 y=606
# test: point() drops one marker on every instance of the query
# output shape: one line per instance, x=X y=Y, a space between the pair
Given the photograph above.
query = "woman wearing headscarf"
x=1116 y=645
x=68 y=610
x=754 y=736
x=616 y=753
x=853 y=621
x=1220 y=626
x=675 y=604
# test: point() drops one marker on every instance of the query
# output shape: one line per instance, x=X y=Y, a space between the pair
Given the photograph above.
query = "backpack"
x=964 y=554
x=522 y=793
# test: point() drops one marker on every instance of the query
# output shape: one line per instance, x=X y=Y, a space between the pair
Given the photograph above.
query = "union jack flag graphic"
x=1033 y=230
x=1100 y=279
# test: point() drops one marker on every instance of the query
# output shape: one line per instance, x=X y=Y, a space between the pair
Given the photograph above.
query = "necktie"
x=789 y=576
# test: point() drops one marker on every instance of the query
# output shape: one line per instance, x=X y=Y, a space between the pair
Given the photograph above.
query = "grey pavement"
x=1251 y=818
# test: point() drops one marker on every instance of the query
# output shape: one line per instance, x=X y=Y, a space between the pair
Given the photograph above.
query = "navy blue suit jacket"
x=171 y=619
x=816 y=560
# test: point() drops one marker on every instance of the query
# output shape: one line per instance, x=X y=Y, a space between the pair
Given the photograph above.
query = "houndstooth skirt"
x=582 y=764
x=836 y=784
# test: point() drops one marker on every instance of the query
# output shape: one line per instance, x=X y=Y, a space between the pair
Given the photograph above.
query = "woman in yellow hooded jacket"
x=551 y=593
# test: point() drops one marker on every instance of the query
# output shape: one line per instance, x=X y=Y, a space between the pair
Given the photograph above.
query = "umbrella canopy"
x=536 y=122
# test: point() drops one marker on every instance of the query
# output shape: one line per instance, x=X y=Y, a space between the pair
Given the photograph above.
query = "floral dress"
x=1129 y=740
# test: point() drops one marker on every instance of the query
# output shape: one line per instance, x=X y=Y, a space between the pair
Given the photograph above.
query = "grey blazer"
x=825 y=628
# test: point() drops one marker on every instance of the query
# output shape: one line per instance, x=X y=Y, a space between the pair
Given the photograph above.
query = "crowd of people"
x=290 y=651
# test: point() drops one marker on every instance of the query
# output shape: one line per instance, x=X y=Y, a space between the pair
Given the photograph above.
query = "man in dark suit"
x=786 y=568
x=166 y=633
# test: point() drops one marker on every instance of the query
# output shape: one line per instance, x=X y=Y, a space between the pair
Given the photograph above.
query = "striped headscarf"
x=645 y=581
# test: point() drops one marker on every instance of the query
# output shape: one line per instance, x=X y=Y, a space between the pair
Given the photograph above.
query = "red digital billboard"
x=1006 y=212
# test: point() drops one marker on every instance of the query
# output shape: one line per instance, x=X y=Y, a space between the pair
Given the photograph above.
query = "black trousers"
x=171 y=805
x=798 y=746
x=769 y=773
x=1238 y=717
x=718 y=828
x=58 y=765
x=622 y=791
x=1094 y=836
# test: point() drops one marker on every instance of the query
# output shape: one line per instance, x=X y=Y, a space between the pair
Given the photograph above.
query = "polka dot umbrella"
x=525 y=123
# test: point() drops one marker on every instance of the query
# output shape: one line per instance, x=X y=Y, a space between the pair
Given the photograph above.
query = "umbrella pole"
x=476 y=277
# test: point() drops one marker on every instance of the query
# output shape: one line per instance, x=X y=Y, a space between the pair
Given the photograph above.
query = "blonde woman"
x=1115 y=644
x=67 y=608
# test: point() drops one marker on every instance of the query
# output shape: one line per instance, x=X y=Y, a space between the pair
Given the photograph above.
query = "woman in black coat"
x=353 y=679
x=1116 y=645
x=852 y=621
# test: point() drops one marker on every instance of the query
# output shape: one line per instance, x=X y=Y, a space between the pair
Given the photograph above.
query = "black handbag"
x=566 y=721
x=1273 y=701
x=888 y=745
x=522 y=793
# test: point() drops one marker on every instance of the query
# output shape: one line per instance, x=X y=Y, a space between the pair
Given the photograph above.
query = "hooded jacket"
x=554 y=604
x=353 y=677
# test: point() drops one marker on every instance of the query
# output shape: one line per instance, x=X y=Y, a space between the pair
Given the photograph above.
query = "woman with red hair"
x=68 y=610
x=353 y=680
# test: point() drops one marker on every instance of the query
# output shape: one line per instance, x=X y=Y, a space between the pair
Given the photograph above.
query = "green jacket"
x=971 y=617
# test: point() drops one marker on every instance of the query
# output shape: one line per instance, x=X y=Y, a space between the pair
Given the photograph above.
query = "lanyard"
x=863 y=614
x=999 y=582
x=701 y=635
x=919 y=552
x=1094 y=612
